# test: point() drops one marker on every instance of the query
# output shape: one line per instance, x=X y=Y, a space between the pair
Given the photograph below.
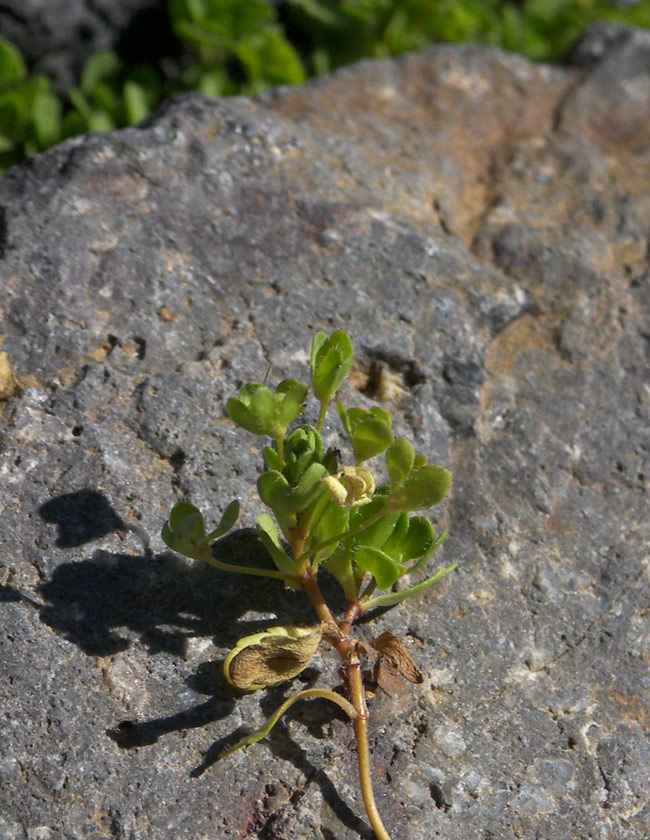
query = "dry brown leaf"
x=393 y=654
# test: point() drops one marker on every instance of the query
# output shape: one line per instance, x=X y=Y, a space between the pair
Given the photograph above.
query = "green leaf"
x=136 y=106
x=292 y=405
x=377 y=534
x=271 y=458
x=399 y=461
x=331 y=361
x=369 y=432
x=98 y=68
x=392 y=598
x=275 y=492
x=418 y=539
x=106 y=98
x=180 y=511
x=268 y=533
x=339 y=564
x=47 y=112
x=12 y=64
x=14 y=113
x=393 y=543
x=426 y=486
x=263 y=412
x=343 y=415
x=331 y=521
x=228 y=519
x=309 y=486
x=79 y=102
x=230 y=515
x=383 y=568
x=433 y=548
x=100 y=121
x=269 y=59
x=184 y=531
x=274 y=488
x=253 y=409
x=317 y=343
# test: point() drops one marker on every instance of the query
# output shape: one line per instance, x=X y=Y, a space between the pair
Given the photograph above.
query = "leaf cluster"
x=323 y=511
x=231 y=47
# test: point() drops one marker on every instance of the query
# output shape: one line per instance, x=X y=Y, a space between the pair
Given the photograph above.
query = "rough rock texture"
x=480 y=226
x=57 y=36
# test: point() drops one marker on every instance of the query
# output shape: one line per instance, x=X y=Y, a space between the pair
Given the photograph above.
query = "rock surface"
x=480 y=226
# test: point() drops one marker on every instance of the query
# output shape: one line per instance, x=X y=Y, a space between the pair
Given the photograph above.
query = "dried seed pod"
x=394 y=659
x=272 y=657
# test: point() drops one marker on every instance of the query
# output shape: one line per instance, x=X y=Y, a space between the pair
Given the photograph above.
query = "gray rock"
x=479 y=225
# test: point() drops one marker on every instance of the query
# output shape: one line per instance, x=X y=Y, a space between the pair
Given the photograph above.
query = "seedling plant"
x=327 y=513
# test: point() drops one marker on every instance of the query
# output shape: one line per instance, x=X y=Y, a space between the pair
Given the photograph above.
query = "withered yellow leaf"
x=272 y=657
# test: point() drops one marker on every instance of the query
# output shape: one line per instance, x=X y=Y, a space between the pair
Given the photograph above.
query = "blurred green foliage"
x=244 y=46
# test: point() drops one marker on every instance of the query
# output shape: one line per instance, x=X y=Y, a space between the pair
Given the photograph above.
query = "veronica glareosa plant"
x=327 y=514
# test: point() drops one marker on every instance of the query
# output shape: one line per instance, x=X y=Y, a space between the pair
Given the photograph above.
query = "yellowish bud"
x=352 y=487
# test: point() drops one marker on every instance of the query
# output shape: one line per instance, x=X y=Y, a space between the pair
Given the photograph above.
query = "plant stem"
x=321 y=416
x=206 y=557
x=367 y=592
x=279 y=446
x=339 y=635
x=263 y=731
x=358 y=696
x=331 y=629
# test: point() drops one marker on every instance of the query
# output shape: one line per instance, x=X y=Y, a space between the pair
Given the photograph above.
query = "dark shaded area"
x=81 y=517
x=130 y=734
x=166 y=599
x=148 y=38
x=4 y=232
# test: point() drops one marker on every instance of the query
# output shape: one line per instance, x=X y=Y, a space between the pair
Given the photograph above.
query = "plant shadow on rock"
x=129 y=734
x=81 y=517
x=164 y=599
x=97 y=603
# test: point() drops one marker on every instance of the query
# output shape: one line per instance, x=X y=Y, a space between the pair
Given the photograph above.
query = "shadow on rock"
x=98 y=603
x=207 y=680
x=81 y=517
x=317 y=715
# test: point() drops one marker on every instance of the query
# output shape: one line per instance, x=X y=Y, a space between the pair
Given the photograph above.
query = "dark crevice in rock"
x=177 y=460
x=385 y=376
x=439 y=797
x=442 y=217
x=4 y=232
x=140 y=347
x=564 y=101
